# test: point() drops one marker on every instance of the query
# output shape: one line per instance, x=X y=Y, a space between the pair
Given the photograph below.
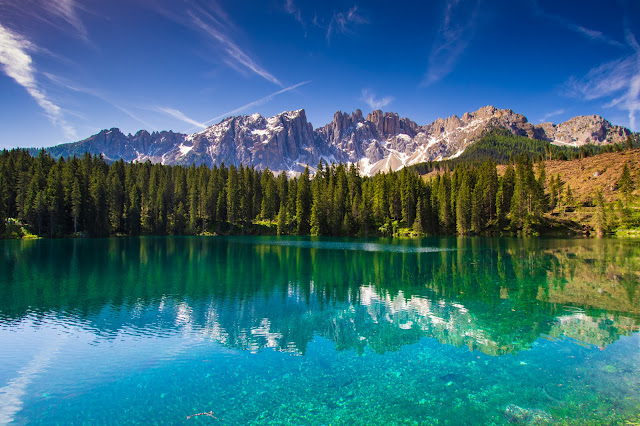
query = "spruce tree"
x=76 y=204
x=418 y=228
x=463 y=207
x=625 y=183
x=3 y=208
x=303 y=203
x=282 y=219
x=600 y=217
x=233 y=196
x=569 y=201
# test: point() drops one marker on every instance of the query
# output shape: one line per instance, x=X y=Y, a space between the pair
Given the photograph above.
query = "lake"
x=267 y=330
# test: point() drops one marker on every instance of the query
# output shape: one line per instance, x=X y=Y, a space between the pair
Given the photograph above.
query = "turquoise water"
x=319 y=331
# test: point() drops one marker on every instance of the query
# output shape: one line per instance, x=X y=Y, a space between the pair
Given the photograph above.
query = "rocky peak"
x=587 y=129
x=379 y=142
x=390 y=124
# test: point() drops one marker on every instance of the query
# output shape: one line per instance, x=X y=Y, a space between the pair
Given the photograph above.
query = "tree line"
x=502 y=146
x=91 y=197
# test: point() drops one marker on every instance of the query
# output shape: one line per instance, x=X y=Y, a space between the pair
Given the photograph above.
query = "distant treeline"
x=88 y=196
x=502 y=147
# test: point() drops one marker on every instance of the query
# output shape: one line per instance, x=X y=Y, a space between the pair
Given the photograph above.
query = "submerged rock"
x=527 y=416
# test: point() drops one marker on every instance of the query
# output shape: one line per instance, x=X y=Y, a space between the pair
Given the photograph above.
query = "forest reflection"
x=493 y=295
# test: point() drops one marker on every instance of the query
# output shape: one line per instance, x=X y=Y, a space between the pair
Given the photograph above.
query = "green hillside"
x=501 y=146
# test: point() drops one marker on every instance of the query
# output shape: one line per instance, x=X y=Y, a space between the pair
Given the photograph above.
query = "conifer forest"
x=88 y=196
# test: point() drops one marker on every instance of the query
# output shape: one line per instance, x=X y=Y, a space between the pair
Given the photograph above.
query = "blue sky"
x=69 y=68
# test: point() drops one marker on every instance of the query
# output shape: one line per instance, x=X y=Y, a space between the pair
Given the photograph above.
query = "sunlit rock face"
x=379 y=142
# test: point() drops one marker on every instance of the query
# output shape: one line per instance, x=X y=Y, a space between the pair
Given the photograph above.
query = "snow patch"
x=559 y=142
x=457 y=154
x=184 y=150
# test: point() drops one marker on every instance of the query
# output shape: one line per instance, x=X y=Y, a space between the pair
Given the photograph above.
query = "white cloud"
x=18 y=64
x=67 y=10
x=12 y=394
x=370 y=99
x=572 y=26
x=343 y=22
x=618 y=80
x=548 y=115
x=218 y=29
x=255 y=103
x=456 y=31
x=97 y=94
x=292 y=9
x=179 y=115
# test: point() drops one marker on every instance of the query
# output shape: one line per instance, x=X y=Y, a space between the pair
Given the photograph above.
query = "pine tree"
x=133 y=215
x=100 y=224
x=282 y=219
x=179 y=220
x=625 y=183
x=418 y=228
x=303 y=203
x=600 y=218
x=233 y=196
x=270 y=197
x=444 y=201
x=55 y=200
x=116 y=196
x=463 y=207
x=3 y=206
x=569 y=201
x=40 y=209
x=76 y=204
x=629 y=142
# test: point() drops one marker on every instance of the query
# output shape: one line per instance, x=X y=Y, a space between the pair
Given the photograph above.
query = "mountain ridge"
x=381 y=141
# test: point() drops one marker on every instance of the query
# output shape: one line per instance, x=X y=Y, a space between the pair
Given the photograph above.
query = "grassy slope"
x=600 y=172
x=586 y=176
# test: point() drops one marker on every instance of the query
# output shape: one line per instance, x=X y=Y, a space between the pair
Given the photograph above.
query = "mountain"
x=379 y=142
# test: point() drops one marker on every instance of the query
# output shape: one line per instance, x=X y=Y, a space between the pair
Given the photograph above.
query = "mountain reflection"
x=496 y=296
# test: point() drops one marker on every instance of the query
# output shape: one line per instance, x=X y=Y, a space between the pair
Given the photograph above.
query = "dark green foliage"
x=601 y=223
x=3 y=206
x=502 y=147
x=88 y=196
x=625 y=183
x=303 y=203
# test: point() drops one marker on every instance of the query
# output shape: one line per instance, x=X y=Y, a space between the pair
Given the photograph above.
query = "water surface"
x=319 y=331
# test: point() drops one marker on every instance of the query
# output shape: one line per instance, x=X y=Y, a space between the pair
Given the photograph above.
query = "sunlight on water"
x=344 y=245
x=300 y=331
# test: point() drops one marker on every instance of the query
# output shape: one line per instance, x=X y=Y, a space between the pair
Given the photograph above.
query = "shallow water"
x=319 y=331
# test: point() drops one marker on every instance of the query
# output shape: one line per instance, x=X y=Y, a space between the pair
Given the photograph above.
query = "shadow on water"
x=497 y=296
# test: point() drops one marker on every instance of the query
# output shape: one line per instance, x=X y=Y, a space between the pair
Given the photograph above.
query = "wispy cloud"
x=211 y=21
x=344 y=22
x=68 y=11
x=548 y=115
x=370 y=99
x=235 y=55
x=255 y=103
x=456 y=31
x=572 y=26
x=97 y=94
x=292 y=9
x=618 y=80
x=12 y=394
x=63 y=15
x=17 y=63
x=178 y=115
